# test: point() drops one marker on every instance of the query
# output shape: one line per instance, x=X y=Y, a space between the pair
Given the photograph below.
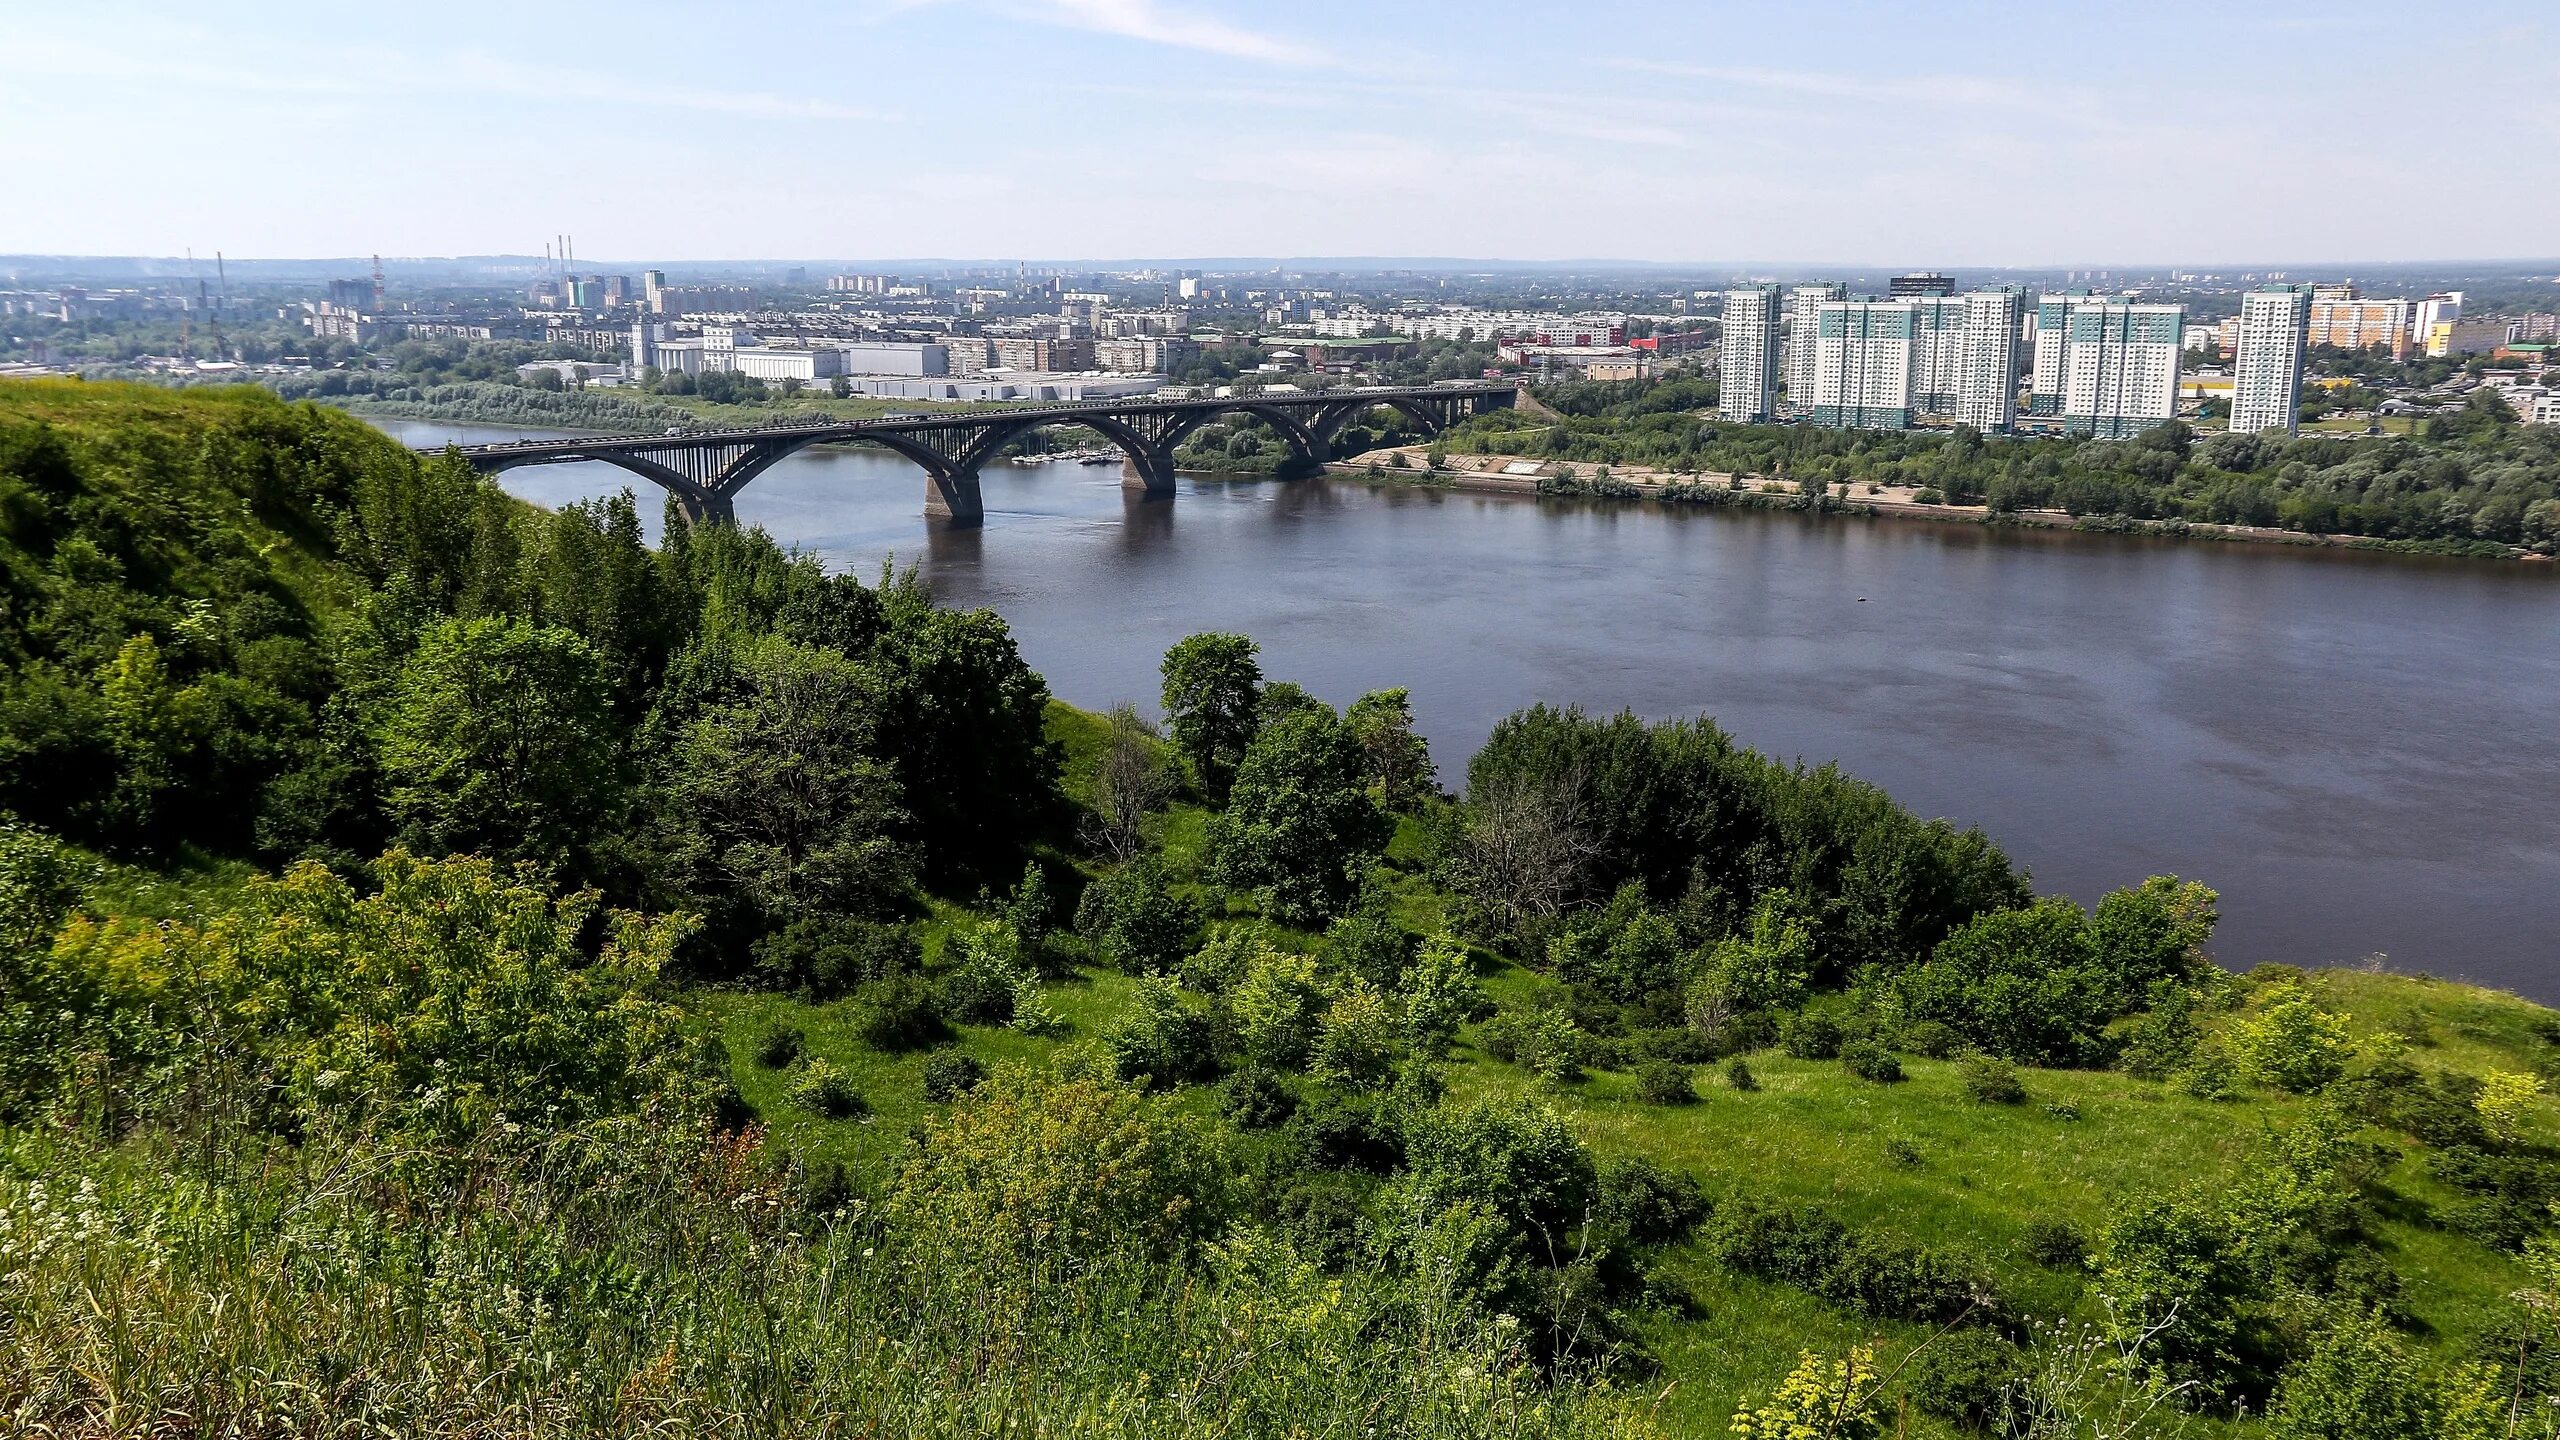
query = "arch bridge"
x=705 y=469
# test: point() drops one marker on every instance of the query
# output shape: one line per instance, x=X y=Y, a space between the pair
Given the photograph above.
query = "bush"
x=1737 y=1073
x=1811 y=1035
x=1159 y=1040
x=827 y=956
x=1335 y=1134
x=1649 y=1204
x=2056 y=1244
x=2291 y=1043
x=1545 y=1041
x=902 y=1014
x=1663 y=1082
x=1963 y=1374
x=824 y=1090
x=1870 y=1061
x=1037 y=1167
x=1931 y=1039
x=1875 y=1272
x=949 y=1076
x=1135 y=921
x=1990 y=1080
x=1254 y=1099
x=780 y=1046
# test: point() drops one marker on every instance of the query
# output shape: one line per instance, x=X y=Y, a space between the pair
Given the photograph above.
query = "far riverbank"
x=1410 y=466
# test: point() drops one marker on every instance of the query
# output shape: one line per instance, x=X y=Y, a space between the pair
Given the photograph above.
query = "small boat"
x=1097 y=459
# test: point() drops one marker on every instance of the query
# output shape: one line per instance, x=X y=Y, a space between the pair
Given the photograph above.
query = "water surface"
x=2362 y=753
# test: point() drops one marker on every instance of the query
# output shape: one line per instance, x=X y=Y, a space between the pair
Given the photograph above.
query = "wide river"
x=2362 y=753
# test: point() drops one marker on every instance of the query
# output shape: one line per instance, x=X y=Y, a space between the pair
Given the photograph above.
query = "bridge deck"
x=531 y=452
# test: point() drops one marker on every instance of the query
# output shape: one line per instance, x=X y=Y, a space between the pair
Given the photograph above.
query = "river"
x=2361 y=752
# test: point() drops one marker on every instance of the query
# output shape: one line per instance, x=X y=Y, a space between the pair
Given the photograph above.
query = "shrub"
x=1737 y=1073
x=2291 y=1043
x=1870 y=1061
x=2062 y=1110
x=1159 y=1040
x=780 y=1046
x=827 y=956
x=824 y=1090
x=1038 y=1167
x=1135 y=921
x=1254 y=1099
x=2056 y=1244
x=1931 y=1039
x=2209 y=1074
x=949 y=1076
x=1963 y=1375
x=1811 y=1035
x=1990 y=1080
x=1440 y=993
x=1664 y=1082
x=2503 y=1099
x=1544 y=1041
x=902 y=1014
x=1875 y=1272
x=1650 y=1204
x=1337 y=1134
x=1523 y=1161
x=1360 y=1039
x=1276 y=1007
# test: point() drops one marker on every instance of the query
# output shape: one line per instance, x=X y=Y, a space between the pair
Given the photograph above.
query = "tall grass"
x=630 y=1279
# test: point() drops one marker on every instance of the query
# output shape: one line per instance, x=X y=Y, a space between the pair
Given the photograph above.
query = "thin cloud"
x=1935 y=89
x=1151 y=22
x=492 y=76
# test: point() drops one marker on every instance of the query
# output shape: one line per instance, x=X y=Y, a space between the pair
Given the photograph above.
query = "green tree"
x=779 y=806
x=1398 y=760
x=1440 y=994
x=1300 y=827
x=1134 y=919
x=1213 y=697
x=1276 y=1007
x=499 y=738
x=1359 y=1040
x=2024 y=983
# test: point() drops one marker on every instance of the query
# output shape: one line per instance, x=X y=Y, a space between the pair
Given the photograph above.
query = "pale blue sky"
x=1988 y=134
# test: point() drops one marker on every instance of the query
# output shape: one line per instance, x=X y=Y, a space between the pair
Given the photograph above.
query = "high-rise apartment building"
x=1986 y=388
x=1904 y=287
x=2266 y=366
x=1862 y=364
x=1804 y=313
x=1747 y=386
x=2105 y=365
x=2341 y=317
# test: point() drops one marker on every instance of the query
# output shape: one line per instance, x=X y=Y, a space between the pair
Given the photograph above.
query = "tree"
x=1132 y=778
x=499 y=738
x=2358 y=1383
x=966 y=723
x=1399 y=762
x=1213 y=696
x=1440 y=994
x=781 y=809
x=1300 y=827
x=1358 y=1042
x=2152 y=932
x=1276 y=1008
x=2023 y=983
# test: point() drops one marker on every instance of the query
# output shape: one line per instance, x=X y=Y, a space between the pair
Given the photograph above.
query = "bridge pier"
x=706 y=508
x=954 y=497
x=1153 y=474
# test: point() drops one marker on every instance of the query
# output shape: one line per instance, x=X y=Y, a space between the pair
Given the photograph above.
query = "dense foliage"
x=2467 y=475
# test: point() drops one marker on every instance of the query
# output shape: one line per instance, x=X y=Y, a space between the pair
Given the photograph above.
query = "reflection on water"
x=2358 y=751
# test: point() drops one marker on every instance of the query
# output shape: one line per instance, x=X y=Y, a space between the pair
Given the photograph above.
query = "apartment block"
x=1747 y=389
x=2266 y=367
x=1804 y=314
x=2106 y=365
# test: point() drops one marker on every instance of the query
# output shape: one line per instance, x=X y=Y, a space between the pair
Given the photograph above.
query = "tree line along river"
x=2361 y=752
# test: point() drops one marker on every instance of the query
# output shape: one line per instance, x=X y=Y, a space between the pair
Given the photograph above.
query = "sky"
x=1893 y=133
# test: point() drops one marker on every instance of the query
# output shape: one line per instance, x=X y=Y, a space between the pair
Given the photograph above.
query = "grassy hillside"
x=465 y=972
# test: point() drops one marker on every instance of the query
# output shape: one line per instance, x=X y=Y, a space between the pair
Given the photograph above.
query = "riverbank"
x=1410 y=466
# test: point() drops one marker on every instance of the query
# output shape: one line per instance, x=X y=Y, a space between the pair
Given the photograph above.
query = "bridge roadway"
x=705 y=469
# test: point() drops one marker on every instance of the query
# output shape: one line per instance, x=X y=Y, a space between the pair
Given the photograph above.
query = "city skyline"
x=1083 y=130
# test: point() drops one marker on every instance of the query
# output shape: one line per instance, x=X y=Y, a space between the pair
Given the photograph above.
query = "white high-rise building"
x=1747 y=387
x=1804 y=312
x=2106 y=365
x=1986 y=389
x=1862 y=364
x=2266 y=368
x=2441 y=308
